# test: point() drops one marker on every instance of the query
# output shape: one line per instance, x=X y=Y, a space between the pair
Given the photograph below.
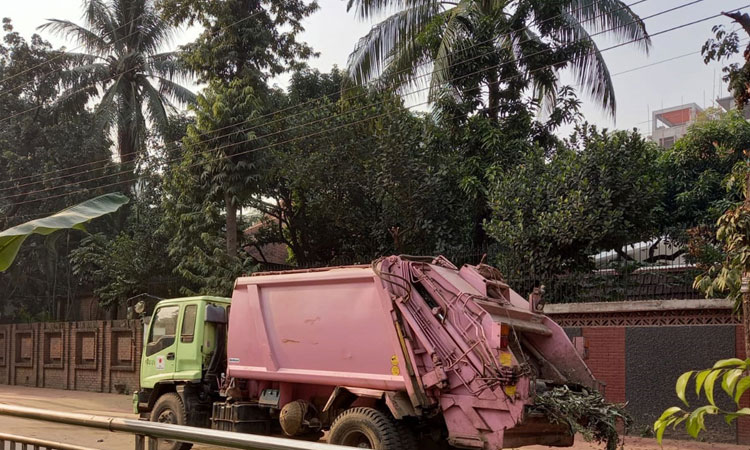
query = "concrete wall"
x=99 y=356
x=639 y=349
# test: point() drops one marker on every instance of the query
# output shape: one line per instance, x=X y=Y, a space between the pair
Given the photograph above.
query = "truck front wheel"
x=170 y=409
x=369 y=428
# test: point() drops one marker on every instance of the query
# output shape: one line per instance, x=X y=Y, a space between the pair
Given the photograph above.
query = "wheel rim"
x=167 y=416
x=356 y=439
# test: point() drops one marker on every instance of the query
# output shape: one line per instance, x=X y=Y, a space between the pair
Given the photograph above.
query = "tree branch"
x=742 y=19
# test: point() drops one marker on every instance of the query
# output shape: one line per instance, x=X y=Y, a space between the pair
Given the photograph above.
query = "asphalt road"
x=120 y=406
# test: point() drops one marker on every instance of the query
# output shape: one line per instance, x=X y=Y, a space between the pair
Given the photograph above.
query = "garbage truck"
x=404 y=353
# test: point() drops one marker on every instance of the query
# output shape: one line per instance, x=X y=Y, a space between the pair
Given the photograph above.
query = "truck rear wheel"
x=170 y=409
x=369 y=428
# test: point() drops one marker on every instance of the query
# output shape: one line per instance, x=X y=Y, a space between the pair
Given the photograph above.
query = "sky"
x=334 y=32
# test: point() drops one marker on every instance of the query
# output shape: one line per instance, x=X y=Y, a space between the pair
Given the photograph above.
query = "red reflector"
x=504 y=334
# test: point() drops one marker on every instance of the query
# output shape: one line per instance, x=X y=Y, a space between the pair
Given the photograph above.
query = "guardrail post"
x=139 y=442
x=153 y=443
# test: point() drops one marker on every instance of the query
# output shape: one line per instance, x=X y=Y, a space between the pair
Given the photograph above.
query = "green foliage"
x=734 y=382
x=725 y=276
x=244 y=42
x=37 y=147
x=553 y=211
x=122 y=263
x=587 y=413
x=219 y=133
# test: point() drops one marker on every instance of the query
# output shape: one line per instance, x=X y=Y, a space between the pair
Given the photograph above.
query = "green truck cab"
x=184 y=355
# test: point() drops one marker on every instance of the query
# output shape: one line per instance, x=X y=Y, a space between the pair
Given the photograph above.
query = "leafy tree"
x=123 y=61
x=244 y=42
x=730 y=274
x=725 y=46
x=600 y=192
x=503 y=46
x=365 y=185
x=483 y=148
x=40 y=157
x=249 y=39
x=697 y=165
x=194 y=223
x=220 y=146
x=123 y=264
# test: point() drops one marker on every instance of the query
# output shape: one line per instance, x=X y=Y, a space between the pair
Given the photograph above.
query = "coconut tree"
x=123 y=67
x=489 y=46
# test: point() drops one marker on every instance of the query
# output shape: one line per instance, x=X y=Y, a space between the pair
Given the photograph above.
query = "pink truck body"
x=427 y=338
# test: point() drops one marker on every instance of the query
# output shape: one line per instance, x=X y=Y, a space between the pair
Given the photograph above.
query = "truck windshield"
x=163 y=329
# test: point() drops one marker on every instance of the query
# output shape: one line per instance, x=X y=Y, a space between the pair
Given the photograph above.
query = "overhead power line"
x=323 y=119
x=337 y=127
x=254 y=119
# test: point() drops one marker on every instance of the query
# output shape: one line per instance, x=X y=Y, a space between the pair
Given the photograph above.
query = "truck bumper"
x=141 y=401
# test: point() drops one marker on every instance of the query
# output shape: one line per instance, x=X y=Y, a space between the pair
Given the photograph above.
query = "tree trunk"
x=494 y=95
x=127 y=147
x=126 y=130
x=231 y=224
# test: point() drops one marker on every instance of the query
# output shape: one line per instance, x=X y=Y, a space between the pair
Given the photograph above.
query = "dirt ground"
x=120 y=406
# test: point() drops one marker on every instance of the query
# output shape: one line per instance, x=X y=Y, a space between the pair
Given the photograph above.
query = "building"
x=670 y=124
x=727 y=104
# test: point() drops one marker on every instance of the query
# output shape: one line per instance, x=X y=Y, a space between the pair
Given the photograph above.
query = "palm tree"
x=487 y=45
x=123 y=67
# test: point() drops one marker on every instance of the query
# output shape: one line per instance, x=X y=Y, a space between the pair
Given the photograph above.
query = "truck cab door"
x=189 y=362
x=161 y=347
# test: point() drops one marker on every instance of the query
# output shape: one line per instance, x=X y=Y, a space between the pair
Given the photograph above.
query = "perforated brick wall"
x=639 y=349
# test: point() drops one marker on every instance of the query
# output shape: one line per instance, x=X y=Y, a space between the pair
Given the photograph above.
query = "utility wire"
x=61 y=54
x=283 y=118
x=323 y=119
x=58 y=56
x=342 y=125
x=254 y=119
x=272 y=145
x=112 y=77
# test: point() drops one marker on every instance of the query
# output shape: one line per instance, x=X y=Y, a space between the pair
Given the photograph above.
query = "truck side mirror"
x=216 y=314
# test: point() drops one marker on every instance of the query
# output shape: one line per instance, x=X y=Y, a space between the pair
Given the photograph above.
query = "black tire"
x=370 y=428
x=170 y=409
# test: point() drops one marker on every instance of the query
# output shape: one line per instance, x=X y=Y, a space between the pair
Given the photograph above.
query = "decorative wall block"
x=24 y=349
x=122 y=349
x=53 y=350
x=86 y=349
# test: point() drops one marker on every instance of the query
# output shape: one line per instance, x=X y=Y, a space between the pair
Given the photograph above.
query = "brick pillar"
x=68 y=354
x=12 y=355
x=743 y=424
x=104 y=349
x=607 y=359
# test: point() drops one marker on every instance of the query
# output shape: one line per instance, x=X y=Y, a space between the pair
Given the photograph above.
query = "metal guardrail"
x=147 y=433
x=13 y=442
